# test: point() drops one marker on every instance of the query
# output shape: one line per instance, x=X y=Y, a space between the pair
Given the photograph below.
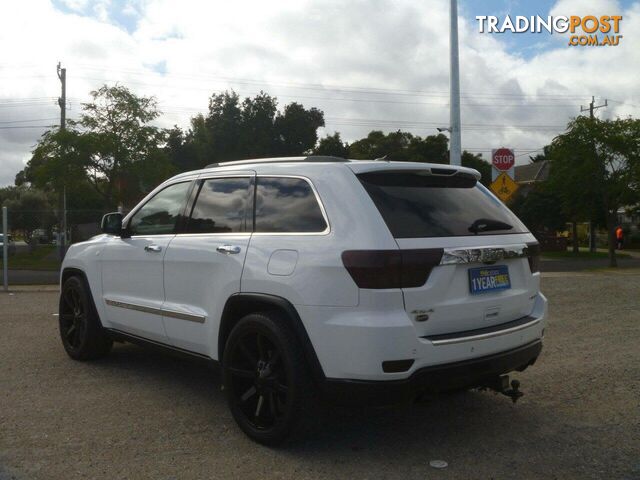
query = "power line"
x=624 y=103
x=25 y=126
x=322 y=87
x=420 y=124
x=27 y=121
x=342 y=99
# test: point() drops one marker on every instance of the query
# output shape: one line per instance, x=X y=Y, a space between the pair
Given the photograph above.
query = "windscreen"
x=417 y=204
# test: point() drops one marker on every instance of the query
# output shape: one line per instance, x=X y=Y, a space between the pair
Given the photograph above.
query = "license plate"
x=489 y=279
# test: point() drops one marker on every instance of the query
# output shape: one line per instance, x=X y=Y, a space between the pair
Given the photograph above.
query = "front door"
x=203 y=264
x=132 y=268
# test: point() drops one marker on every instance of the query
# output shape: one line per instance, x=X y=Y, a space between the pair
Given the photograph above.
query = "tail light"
x=379 y=269
x=533 y=255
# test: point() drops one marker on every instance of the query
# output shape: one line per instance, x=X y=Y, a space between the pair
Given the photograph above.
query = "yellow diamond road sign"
x=504 y=187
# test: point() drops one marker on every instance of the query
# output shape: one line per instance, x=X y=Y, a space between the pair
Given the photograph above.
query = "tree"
x=235 y=129
x=125 y=158
x=432 y=149
x=394 y=146
x=332 y=146
x=404 y=146
x=475 y=161
x=540 y=157
x=539 y=211
x=30 y=209
x=112 y=147
x=297 y=129
x=595 y=166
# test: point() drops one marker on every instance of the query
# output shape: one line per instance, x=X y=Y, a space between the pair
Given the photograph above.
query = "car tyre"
x=266 y=379
x=82 y=334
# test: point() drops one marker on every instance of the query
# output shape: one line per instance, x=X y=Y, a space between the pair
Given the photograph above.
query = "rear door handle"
x=152 y=248
x=228 y=249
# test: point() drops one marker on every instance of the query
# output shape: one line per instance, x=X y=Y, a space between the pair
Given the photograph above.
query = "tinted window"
x=287 y=205
x=415 y=205
x=220 y=206
x=160 y=214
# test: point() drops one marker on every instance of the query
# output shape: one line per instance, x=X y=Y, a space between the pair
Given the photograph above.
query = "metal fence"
x=35 y=242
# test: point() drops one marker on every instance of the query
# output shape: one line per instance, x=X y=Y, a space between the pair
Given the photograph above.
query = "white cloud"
x=254 y=45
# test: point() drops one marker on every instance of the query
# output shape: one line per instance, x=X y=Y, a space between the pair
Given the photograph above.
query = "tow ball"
x=501 y=385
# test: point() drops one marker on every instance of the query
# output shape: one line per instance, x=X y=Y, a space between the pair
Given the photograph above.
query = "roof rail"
x=309 y=159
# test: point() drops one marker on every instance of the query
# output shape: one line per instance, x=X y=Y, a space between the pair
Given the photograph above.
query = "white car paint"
x=183 y=287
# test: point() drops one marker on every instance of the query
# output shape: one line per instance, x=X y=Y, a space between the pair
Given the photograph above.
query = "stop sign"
x=503 y=159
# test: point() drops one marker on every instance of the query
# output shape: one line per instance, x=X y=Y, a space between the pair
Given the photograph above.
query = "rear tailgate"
x=484 y=277
x=452 y=301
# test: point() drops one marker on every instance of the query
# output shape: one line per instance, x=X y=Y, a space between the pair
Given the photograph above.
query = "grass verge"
x=583 y=254
x=42 y=257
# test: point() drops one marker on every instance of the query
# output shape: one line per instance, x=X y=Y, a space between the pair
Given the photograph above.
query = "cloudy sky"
x=367 y=64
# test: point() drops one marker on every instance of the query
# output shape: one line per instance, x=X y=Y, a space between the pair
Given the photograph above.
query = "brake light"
x=533 y=255
x=378 y=269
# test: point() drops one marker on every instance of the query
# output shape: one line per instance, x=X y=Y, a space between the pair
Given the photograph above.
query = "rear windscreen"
x=416 y=204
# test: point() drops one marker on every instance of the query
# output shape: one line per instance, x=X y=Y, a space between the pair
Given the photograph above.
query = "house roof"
x=532 y=172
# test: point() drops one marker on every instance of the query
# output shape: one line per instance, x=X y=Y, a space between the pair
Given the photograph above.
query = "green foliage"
x=394 y=146
x=404 y=146
x=29 y=209
x=332 y=145
x=475 y=161
x=111 y=147
x=297 y=129
x=42 y=258
x=124 y=159
x=537 y=208
x=251 y=128
x=595 y=169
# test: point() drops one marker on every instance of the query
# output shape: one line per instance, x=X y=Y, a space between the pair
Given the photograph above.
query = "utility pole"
x=455 y=149
x=5 y=249
x=62 y=199
x=62 y=100
x=591 y=109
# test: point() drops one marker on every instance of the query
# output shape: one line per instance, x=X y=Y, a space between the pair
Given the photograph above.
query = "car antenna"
x=381 y=159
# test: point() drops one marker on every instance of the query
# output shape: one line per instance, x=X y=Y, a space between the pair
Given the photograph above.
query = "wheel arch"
x=241 y=304
x=69 y=272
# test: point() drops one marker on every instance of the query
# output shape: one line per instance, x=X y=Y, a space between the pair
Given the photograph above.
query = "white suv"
x=359 y=281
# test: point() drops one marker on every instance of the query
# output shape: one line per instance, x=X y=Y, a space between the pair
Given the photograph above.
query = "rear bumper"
x=355 y=343
x=433 y=379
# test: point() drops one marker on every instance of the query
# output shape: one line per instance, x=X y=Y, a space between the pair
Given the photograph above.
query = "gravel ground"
x=140 y=414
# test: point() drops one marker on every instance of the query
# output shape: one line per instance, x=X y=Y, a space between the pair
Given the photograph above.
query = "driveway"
x=139 y=414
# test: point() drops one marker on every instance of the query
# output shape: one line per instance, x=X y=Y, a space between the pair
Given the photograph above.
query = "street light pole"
x=455 y=149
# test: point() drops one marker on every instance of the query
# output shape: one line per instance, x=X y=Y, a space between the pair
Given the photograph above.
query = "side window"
x=287 y=205
x=221 y=206
x=159 y=215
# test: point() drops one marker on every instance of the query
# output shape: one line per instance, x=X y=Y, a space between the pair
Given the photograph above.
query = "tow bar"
x=501 y=385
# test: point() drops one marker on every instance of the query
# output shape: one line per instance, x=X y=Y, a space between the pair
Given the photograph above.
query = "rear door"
x=483 y=277
x=203 y=264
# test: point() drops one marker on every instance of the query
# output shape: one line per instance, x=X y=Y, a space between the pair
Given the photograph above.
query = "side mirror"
x=112 y=223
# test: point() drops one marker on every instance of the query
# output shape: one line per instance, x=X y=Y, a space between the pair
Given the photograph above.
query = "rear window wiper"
x=487 y=225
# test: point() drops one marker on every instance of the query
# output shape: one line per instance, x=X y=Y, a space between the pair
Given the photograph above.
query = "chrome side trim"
x=453 y=256
x=131 y=306
x=183 y=316
x=156 y=311
x=484 y=336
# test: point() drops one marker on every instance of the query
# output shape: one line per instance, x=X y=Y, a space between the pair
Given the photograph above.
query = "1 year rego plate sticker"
x=489 y=279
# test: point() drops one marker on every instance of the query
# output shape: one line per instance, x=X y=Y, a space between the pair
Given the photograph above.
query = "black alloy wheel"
x=265 y=377
x=73 y=317
x=82 y=334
